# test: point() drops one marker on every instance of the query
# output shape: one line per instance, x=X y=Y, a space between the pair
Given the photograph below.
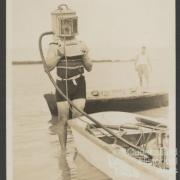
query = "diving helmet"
x=64 y=21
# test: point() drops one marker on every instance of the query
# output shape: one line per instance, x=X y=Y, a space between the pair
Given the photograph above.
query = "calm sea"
x=36 y=152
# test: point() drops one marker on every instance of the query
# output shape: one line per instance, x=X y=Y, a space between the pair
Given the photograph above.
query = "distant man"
x=143 y=68
x=70 y=57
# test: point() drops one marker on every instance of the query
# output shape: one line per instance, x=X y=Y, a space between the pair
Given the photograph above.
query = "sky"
x=112 y=29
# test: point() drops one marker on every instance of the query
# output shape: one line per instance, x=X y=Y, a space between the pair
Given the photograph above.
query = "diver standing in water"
x=69 y=56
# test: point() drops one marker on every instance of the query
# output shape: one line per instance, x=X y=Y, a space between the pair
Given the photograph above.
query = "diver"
x=70 y=57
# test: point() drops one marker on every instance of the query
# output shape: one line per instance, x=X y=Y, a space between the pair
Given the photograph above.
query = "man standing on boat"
x=143 y=68
x=70 y=57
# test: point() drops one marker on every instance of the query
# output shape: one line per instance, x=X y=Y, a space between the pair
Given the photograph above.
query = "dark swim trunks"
x=76 y=89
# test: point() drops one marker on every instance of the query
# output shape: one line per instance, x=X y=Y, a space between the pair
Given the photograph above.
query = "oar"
x=117 y=127
x=153 y=127
x=79 y=110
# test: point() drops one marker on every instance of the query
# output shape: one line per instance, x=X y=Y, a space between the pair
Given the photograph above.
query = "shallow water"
x=36 y=152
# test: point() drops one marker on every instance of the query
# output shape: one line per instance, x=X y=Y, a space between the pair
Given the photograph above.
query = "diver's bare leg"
x=63 y=116
x=79 y=103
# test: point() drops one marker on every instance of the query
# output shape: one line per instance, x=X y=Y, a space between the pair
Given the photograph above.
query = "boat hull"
x=115 y=163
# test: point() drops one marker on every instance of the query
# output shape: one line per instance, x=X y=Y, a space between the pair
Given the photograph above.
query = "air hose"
x=79 y=110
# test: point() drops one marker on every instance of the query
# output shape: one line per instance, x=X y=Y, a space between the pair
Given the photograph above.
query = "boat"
x=120 y=160
x=136 y=148
x=117 y=100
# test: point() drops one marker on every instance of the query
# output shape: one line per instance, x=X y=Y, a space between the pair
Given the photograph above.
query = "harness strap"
x=71 y=78
x=75 y=67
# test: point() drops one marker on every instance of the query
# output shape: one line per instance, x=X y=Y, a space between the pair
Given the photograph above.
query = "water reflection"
x=66 y=159
x=72 y=166
x=64 y=167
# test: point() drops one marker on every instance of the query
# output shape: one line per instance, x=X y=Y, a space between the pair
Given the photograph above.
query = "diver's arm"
x=52 y=57
x=87 y=62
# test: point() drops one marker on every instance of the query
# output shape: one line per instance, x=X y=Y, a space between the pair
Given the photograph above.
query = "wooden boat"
x=117 y=159
x=117 y=101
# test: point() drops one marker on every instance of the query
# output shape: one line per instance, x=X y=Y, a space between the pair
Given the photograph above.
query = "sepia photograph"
x=91 y=90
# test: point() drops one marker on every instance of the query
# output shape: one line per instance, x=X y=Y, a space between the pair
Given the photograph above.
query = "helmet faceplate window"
x=64 y=22
x=68 y=27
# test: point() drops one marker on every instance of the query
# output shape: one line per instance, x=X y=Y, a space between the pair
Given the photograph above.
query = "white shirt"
x=142 y=59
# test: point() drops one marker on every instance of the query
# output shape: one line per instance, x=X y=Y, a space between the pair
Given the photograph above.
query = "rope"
x=67 y=95
x=150 y=134
x=139 y=138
